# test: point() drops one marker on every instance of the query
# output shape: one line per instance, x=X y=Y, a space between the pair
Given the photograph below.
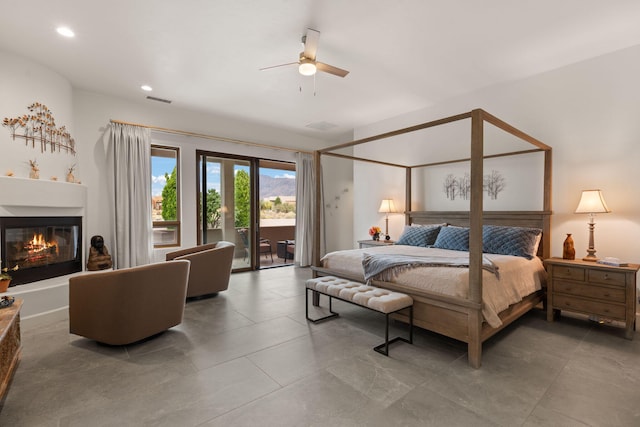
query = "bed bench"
x=376 y=299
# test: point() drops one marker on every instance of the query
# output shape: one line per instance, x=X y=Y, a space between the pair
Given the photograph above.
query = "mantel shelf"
x=26 y=192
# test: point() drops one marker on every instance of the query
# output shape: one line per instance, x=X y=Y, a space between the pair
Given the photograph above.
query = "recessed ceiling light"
x=146 y=88
x=65 y=31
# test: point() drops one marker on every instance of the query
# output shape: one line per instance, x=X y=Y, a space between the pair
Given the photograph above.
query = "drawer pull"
x=607 y=294
x=606 y=276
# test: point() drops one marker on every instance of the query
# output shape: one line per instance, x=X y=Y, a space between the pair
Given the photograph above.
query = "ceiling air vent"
x=321 y=126
x=153 y=98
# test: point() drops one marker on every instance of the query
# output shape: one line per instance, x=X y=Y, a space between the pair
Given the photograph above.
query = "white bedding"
x=518 y=277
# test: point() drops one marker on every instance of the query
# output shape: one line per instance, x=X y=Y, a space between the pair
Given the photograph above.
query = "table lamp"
x=592 y=203
x=387 y=207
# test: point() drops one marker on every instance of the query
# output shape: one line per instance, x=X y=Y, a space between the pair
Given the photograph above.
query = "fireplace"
x=37 y=248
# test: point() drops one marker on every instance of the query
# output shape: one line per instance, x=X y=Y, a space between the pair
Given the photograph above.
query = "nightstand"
x=372 y=243
x=594 y=289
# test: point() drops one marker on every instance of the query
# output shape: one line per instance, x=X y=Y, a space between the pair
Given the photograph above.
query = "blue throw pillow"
x=419 y=236
x=503 y=240
x=454 y=238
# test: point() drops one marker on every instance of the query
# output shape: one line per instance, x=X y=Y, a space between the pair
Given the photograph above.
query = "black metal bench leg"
x=384 y=347
x=329 y=316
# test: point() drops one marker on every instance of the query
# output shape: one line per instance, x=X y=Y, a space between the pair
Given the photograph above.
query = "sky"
x=162 y=165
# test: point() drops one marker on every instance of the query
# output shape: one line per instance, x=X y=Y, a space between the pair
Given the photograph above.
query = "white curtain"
x=130 y=163
x=305 y=206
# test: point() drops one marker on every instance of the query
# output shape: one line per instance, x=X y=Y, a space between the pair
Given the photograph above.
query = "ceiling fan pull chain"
x=314 y=85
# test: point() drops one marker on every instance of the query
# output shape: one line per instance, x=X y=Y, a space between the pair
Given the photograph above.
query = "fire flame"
x=38 y=240
x=39 y=244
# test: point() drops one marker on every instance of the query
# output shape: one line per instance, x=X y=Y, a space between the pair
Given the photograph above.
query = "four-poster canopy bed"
x=457 y=317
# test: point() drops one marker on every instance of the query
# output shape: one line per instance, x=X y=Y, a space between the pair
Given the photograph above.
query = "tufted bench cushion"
x=377 y=299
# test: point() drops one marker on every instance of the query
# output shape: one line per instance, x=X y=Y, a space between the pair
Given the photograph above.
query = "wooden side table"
x=10 y=344
x=371 y=243
x=593 y=289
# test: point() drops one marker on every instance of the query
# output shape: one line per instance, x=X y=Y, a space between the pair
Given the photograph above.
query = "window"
x=165 y=196
x=277 y=194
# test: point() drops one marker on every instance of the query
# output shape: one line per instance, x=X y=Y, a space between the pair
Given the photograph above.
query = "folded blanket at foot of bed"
x=386 y=266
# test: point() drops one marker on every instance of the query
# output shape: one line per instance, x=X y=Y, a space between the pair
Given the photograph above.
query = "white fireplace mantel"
x=41 y=197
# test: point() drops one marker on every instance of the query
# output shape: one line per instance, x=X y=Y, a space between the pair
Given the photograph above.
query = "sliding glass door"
x=277 y=196
x=226 y=208
x=256 y=211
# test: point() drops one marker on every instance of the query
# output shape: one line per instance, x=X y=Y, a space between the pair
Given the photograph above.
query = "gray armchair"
x=124 y=306
x=210 y=267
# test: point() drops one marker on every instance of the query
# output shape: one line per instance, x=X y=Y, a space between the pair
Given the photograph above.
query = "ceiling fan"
x=307 y=64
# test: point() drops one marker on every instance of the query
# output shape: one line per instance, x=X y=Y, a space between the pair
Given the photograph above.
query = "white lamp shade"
x=592 y=202
x=387 y=206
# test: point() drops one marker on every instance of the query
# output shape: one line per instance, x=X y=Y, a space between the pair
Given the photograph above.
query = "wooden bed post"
x=474 y=346
x=317 y=219
x=475 y=208
x=546 y=205
x=407 y=196
x=317 y=214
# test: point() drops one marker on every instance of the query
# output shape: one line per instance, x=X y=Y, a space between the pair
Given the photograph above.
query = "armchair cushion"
x=124 y=306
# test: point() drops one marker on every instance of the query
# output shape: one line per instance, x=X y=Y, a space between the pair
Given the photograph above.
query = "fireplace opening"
x=38 y=248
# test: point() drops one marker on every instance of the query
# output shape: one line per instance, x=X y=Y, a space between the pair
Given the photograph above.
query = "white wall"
x=588 y=112
x=338 y=203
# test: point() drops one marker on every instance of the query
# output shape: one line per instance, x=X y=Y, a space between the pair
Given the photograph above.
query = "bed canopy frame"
x=455 y=317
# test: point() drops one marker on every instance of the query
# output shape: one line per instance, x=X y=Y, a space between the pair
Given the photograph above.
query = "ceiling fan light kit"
x=307 y=67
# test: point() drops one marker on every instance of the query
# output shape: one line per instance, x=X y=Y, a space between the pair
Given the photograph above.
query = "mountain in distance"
x=274 y=187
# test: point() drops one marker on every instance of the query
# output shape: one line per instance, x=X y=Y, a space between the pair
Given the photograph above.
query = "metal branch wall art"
x=40 y=126
x=494 y=183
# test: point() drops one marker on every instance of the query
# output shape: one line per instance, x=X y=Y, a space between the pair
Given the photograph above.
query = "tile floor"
x=247 y=357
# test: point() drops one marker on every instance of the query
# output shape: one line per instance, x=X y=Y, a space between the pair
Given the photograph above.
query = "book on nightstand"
x=612 y=261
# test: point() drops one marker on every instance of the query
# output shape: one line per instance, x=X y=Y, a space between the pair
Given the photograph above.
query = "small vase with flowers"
x=374 y=232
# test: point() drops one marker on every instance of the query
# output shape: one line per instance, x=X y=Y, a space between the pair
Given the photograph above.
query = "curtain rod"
x=212 y=137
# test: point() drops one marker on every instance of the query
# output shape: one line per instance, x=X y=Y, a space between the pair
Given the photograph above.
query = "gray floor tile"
x=247 y=340
x=319 y=400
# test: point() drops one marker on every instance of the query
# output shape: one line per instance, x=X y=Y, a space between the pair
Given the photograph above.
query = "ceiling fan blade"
x=321 y=66
x=311 y=44
x=276 y=66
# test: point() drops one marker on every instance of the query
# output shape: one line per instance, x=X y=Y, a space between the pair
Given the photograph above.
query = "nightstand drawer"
x=588 y=291
x=563 y=272
x=611 y=311
x=606 y=277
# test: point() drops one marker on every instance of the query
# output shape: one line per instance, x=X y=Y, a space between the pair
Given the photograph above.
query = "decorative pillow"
x=454 y=238
x=419 y=236
x=516 y=241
